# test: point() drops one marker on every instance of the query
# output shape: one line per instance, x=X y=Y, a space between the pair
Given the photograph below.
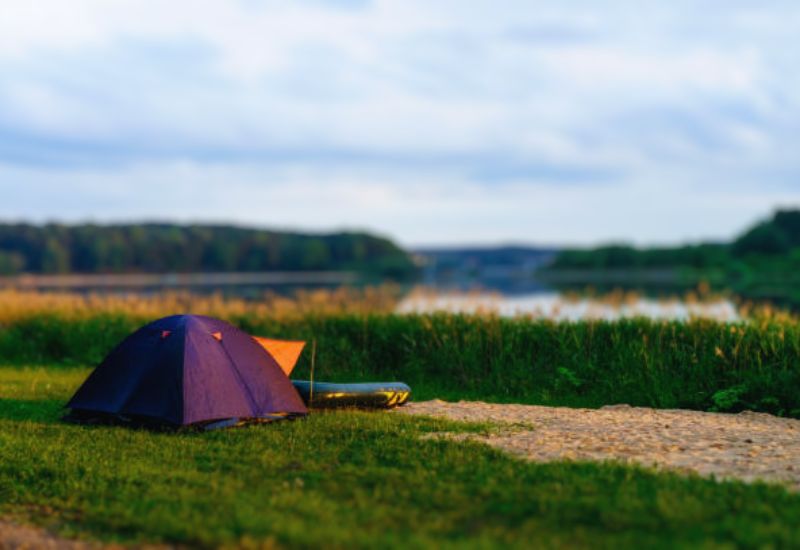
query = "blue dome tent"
x=187 y=370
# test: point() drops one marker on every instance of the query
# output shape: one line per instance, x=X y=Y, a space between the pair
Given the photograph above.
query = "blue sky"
x=431 y=122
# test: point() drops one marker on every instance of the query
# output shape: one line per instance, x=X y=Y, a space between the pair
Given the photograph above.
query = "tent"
x=285 y=352
x=186 y=370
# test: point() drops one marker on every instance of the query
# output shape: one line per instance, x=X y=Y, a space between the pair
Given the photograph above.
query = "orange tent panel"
x=285 y=352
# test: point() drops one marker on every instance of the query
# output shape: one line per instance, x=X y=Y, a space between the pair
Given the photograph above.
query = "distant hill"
x=761 y=263
x=504 y=268
x=488 y=255
x=171 y=248
x=777 y=236
x=775 y=239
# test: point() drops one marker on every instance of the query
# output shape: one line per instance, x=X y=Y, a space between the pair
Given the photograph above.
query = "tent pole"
x=313 y=364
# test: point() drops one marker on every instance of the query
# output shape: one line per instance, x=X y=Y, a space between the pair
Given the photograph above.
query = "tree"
x=158 y=248
x=764 y=239
x=11 y=263
x=55 y=257
x=317 y=255
x=788 y=222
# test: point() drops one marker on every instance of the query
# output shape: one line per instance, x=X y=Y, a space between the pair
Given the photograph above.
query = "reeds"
x=16 y=304
x=696 y=364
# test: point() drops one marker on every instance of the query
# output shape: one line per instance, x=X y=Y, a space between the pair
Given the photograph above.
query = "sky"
x=434 y=123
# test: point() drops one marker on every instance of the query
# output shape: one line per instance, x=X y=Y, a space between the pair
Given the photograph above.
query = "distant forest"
x=167 y=248
x=763 y=263
x=775 y=241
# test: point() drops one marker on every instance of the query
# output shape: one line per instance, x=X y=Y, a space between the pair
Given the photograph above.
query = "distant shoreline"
x=179 y=280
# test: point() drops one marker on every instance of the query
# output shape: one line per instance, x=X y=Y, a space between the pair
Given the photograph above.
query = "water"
x=559 y=307
x=503 y=298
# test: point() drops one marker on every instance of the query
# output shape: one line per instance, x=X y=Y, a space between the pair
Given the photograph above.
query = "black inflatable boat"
x=376 y=395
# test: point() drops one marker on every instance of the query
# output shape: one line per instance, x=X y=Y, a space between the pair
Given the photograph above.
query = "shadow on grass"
x=52 y=411
x=47 y=411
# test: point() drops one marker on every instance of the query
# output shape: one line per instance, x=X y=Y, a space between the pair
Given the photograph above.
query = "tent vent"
x=217 y=336
x=165 y=333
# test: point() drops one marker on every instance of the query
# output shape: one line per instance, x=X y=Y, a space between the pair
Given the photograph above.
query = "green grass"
x=701 y=365
x=348 y=479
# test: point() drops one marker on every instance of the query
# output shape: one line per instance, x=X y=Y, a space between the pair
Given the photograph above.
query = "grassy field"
x=701 y=364
x=347 y=479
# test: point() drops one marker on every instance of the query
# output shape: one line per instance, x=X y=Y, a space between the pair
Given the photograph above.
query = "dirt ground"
x=24 y=537
x=18 y=537
x=746 y=446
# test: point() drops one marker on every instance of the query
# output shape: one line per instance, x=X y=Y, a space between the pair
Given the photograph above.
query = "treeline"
x=619 y=256
x=771 y=242
x=763 y=263
x=160 y=248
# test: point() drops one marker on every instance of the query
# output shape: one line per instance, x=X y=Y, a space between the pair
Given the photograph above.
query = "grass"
x=366 y=480
x=348 y=479
x=700 y=364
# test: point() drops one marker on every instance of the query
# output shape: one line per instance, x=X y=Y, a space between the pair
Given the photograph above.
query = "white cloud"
x=418 y=210
x=431 y=121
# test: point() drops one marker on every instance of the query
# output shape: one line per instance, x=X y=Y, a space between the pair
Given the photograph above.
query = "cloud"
x=439 y=120
x=409 y=204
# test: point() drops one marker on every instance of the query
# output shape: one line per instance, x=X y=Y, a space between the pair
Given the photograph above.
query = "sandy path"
x=18 y=537
x=746 y=446
x=14 y=536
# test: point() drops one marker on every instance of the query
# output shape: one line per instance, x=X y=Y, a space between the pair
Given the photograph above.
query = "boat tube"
x=374 y=395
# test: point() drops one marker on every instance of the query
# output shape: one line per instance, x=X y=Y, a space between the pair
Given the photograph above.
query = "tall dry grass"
x=16 y=305
x=385 y=299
